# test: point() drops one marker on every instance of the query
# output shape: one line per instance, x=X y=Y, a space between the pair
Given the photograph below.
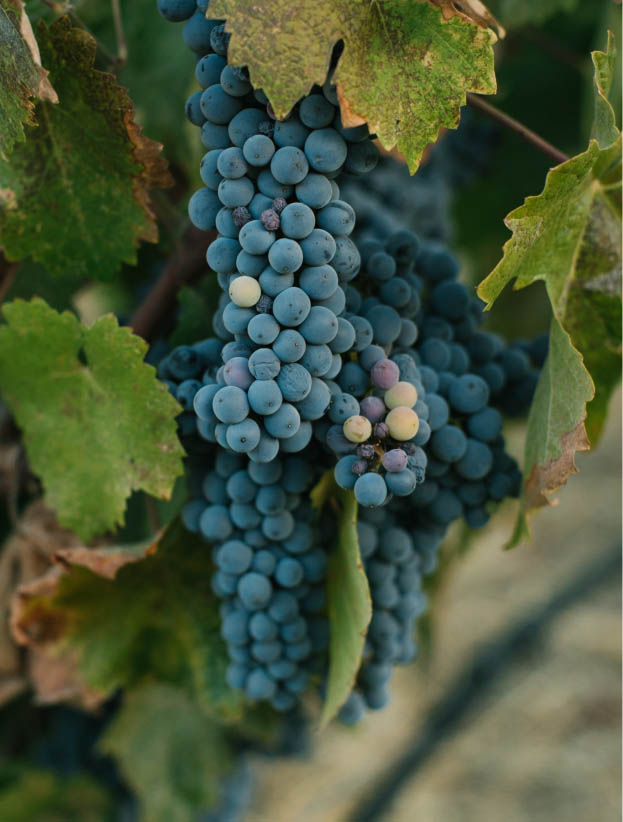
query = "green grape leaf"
x=45 y=796
x=404 y=70
x=73 y=196
x=556 y=429
x=97 y=422
x=350 y=608
x=21 y=75
x=515 y=13
x=162 y=620
x=569 y=236
x=169 y=751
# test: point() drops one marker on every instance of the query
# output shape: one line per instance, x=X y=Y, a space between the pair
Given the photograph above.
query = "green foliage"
x=348 y=594
x=521 y=12
x=42 y=796
x=20 y=77
x=161 y=620
x=570 y=237
x=97 y=423
x=169 y=752
x=555 y=426
x=74 y=193
x=445 y=59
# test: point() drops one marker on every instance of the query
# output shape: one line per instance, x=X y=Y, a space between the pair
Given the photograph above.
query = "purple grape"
x=394 y=460
x=385 y=374
x=264 y=305
x=236 y=372
x=279 y=203
x=409 y=448
x=381 y=430
x=373 y=408
x=241 y=216
x=366 y=451
x=359 y=467
x=270 y=219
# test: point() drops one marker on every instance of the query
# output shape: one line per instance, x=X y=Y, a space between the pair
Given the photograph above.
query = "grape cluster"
x=270 y=560
x=362 y=358
x=282 y=252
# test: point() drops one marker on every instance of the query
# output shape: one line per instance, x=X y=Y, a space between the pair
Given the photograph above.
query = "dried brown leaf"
x=32 y=564
x=105 y=562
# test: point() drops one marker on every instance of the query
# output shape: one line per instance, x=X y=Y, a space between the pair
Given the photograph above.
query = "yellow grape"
x=357 y=429
x=245 y=291
x=403 y=423
x=401 y=394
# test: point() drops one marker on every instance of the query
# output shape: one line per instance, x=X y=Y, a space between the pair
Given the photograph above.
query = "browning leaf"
x=471 y=10
x=95 y=161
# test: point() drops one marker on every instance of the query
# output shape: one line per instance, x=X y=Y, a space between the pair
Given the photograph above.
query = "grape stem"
x=514 y=125
x=188 y=262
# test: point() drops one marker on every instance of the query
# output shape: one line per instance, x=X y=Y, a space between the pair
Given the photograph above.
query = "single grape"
x=394 y=460
x=245 y=291
x=401 y=394
x=385 y=374
x=402 y=423
x=357 y=429
x=230 y=404
x=370 y=490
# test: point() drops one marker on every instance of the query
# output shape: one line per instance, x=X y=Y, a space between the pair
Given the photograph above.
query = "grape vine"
x=243 y=420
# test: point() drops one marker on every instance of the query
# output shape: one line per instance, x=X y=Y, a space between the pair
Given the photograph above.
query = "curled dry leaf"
x=32 y=564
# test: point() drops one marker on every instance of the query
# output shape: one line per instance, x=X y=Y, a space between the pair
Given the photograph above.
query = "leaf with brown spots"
x=404 y=70
x=569 y=236
x=21 y=76
x=472 y=10
x=75 y=193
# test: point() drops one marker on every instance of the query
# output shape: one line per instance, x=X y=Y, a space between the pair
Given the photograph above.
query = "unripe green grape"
x=245 y=291
x=401 y=394
x=357 y=429
x=403 y=423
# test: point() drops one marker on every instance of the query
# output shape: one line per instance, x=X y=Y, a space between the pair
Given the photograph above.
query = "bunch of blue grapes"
x=365 y=358
x=283 y=250
x=392 y=199
x=443 y=375
x=270 y=567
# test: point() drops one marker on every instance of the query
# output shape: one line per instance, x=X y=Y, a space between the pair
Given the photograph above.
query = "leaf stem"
x=187 y=262
x=514 y=125
x=122 y=47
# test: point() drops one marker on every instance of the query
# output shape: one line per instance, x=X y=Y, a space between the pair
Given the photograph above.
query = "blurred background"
x=513 y=709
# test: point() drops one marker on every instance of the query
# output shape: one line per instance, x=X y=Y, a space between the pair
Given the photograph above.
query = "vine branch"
x=514 y=125
x=188 y=262
x=7 y=275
